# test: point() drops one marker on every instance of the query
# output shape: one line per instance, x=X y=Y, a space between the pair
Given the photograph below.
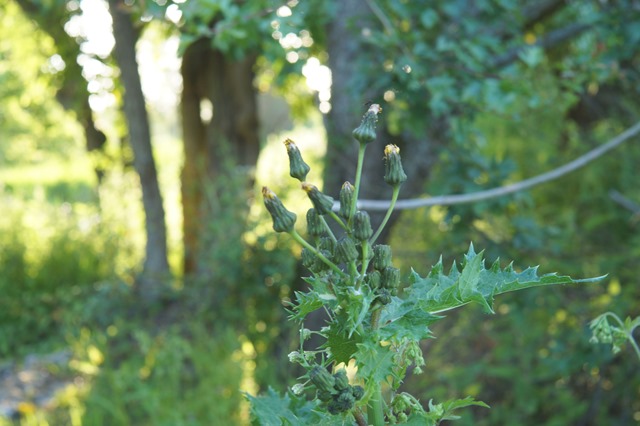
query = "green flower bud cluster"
x=312 y=261
x=384 y=279
x=349 y=270
x=335 y=390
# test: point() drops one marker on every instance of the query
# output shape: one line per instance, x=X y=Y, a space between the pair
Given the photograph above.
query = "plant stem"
x=354 y=204
x=339 y=220
x=365 y=263
x=375 y=317
x=353 y=270
x=360 y=420
x=394 y=198
x=629 y=333
x=329 y=231
x=309 y=247
x=374 y=409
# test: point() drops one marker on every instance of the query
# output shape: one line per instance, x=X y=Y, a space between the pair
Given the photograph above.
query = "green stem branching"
x=394 y=198
x=356 y=191
x=322 y=257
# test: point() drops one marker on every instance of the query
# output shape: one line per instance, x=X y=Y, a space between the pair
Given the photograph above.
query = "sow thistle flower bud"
x=297 y=167
x=346 y=199
x=373 y=279
x=394 y=173
x=297 y=389
x=322 y=379
x=322 y=203
x=358 y=392
x=308 y=258
x=315 y=227
x=344 y=402
x=319 y=265
x=381 y=256
x=346 y=250
x=362 y=226
x=283 y=219
x=384 y=296
x=342 y=381
x=390 y=279
x=327 y=245
x=366 y=131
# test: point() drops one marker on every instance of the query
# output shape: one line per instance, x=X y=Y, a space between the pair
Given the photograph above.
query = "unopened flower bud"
x=327 y=245
x=381 y=256
x=319 y=265
x=346 y=200
x=346 y=251
x=357 y=392
x=283 y=219
x=342 y=381
x=305 y=334
x=324 y=396
x=390 y=279
x=322 y=379
x=384 y=296
x=394 y=173
x=362 y=226
x=366 y=131
x=297 y=389
x=373 y=279
x=308 y=258
x=315 y=226
x=296 y=357
x=322 y=203
x=297 y=167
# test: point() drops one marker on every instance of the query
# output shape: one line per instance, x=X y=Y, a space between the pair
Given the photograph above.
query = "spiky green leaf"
x=439 y=292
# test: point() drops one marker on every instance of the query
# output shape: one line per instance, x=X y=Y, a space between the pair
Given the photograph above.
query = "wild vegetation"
x=133 y=233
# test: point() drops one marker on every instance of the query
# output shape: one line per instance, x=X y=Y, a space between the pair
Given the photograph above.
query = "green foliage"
x=439 y=292
x=369 y=324
x=33 y=123
x=49 y=258
x=272 y=409
x=615 y=335
x=179 y=376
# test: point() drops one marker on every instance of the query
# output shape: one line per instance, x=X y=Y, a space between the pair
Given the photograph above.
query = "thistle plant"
x=617 y=334
x=375 y=318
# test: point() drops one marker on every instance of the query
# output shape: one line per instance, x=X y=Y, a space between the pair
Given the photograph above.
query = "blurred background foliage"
x=477 y=94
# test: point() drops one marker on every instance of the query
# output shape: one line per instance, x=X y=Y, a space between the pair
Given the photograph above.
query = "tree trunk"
x=220 y=153
x=156 y=266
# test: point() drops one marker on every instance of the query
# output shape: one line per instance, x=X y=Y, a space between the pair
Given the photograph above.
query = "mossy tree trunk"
x=221 y=150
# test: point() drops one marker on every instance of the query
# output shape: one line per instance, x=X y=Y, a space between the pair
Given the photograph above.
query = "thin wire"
x=447 y=200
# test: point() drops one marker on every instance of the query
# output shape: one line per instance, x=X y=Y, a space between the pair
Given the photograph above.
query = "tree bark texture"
x=220 y=153
x=156 y=266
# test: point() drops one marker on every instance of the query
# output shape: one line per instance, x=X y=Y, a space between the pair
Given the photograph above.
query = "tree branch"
x=446 y=200
x=625 y=202
x=552 y=39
